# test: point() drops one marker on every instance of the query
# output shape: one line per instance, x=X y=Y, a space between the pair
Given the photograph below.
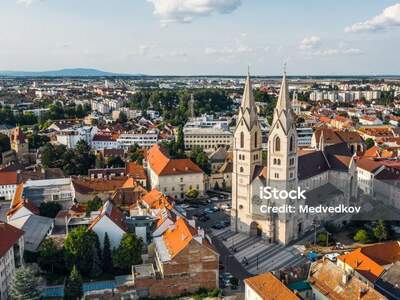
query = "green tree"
x=128 y=253
x=361 y=236
x=4 y=144
x=78 y=249
x=380 y=231
x=50 y=258
x=93 y=205
x=25 y=285
x=180 y=141
x=135 y=153
x=122 y=118
x=73 y=286
x=369 y=143
x=96 y=270
x=192 y=193
x=107 y=257
x=37 y=140
x=200 y=158
x=49 y=209
x=115 y=162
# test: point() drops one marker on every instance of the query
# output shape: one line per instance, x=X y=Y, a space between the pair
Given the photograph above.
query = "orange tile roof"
x=17 y=198
x=24 y=203
x=268 y=287
x=362 y=264
x=9 y=236
x=155 y=199
x=85 y=186
x=369 y=164
x=178 y=237
x=129 y=183
x=372 y=152
x=161 y=164
x=8 y=178
x=136 y=171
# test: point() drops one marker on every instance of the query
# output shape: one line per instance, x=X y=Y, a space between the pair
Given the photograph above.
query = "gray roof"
x=389 y=282
x=322 y=194
x=35 y=230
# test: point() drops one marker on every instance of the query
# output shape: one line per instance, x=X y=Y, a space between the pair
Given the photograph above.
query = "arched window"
x=241 y=139
x=274 y=161
x=255 y=139
x=277 y=144
x=291 y=145
x=241 y=169
x=279 y=161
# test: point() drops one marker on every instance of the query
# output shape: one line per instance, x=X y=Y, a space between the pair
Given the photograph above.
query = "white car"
x=332 y=256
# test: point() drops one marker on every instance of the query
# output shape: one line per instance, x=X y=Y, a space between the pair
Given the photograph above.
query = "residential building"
x=11 y=255
x=110 y=221
x=367 y=169
x=148 y=139
x=173 y=177
x=8 y=184
x=267 y=287
x=19 y=143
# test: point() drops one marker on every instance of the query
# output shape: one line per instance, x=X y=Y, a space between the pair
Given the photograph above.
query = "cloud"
x=336 y=51
x=389 y=18
x=311 y=42
x=185 y=11
x=25 y=2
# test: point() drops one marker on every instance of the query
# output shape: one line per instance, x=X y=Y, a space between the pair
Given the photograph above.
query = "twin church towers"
x=249 y=173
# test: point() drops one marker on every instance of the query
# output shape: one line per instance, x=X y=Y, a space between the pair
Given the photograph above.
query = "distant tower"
x=191 y=106
x=295 y=103
x=19 y=143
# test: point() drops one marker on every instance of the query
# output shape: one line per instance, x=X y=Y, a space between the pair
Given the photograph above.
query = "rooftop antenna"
x=284 y=67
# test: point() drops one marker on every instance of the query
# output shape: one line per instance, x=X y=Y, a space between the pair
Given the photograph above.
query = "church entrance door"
x=255 y=229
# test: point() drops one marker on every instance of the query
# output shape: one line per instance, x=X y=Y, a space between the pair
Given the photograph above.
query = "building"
x=329 y=172
x=174 y=177
x=331 y=282
x=8 y=184
x=110 y=221
x=267 y=287
x=19 y=143
x=207 y=132
x=36 y=229
x=370 y=120
x=148 y=139
x=72 y=135
x=185 y=261
x=367 y=169
x=328 y=136
x=11 y=255
x=304 y=135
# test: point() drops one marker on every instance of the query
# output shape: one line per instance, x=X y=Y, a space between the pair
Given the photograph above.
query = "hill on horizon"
x=71 y=72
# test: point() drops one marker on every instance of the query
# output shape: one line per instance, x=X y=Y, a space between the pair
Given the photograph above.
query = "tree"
x=107 y=258
x=93 y=205
x=128 y=253
x=96 y=263
x=380 y=231
x=50 y=258
x=4 y=144
x=369 y=142
x=73 y=286
x=180 y=141
x=78 y=249
x=200 y=158
x=25 y=285
x=115 y=162
x=49 y=209
x=122 y=118
x=361 y=236
x=135 y=153
x=192 y=193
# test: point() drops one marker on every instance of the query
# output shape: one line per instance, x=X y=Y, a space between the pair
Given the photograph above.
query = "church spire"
x=248 y=98
x=283 y=99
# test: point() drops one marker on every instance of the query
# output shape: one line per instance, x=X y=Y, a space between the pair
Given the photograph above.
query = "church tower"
x=282 y=162
x=247 y=154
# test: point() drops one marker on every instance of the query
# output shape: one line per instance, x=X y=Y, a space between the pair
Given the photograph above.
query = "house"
x=36 y=229
x=137 y=172
x=185 y=261
x=11 y=255
x=371 y=262
x=174 y=177
x=367 y=169
x=22 y=209
x=128 y=194
x=331 y=282
x=8 y=184
x=267 y=287
x=110 y=221
x=328 y=136
x=370 y=120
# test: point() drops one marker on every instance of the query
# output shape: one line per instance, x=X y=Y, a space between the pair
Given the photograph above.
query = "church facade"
x=327 y=174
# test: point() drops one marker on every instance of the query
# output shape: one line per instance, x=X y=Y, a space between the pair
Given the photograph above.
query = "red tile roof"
x=24 y=203
x=9 y=236
x=8 y=178
x=155 y=199
x=136 y=171
x=113 y=213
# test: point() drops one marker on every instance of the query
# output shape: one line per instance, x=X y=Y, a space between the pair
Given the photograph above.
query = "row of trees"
x=379 y=233
x=83 y=250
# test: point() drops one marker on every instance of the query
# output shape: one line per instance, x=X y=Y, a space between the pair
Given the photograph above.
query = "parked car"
x=332 y=256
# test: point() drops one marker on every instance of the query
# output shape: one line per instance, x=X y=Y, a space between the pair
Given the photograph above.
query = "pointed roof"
x=283 y=99
x=248 y=108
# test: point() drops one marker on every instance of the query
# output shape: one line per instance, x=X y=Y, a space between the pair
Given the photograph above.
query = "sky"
x=207 y=37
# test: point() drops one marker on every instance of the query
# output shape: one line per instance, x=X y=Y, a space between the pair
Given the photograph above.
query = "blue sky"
x=186 y=37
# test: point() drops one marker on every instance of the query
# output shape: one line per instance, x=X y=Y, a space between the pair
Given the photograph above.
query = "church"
x=327 y=173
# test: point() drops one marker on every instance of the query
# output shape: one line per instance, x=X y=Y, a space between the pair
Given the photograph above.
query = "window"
x=277 y=144
x=276 y=175
x=241 y=139
x=255 y=139
x=241 y=169
x=291 y=143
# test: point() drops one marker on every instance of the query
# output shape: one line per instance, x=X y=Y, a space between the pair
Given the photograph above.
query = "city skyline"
x=157 y=38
